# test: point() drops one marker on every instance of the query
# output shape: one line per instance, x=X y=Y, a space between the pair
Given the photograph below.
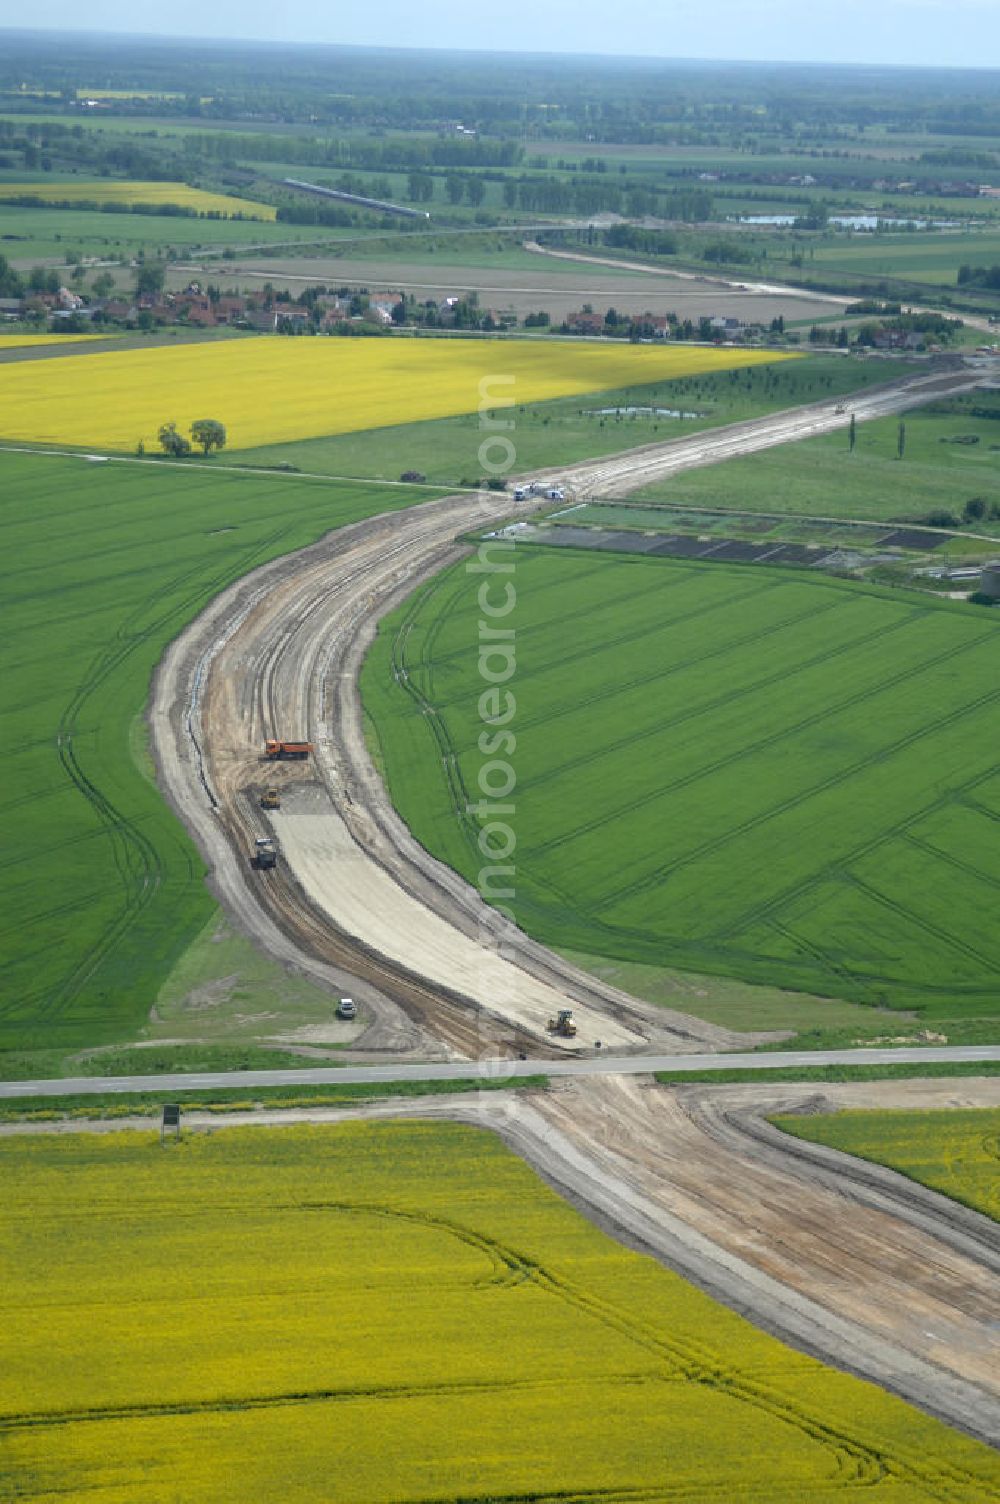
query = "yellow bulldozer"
x=270 y=799
x=563 y=1024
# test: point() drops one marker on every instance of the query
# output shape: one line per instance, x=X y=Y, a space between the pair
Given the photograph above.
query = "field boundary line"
x=948 y=857
x=168 y=466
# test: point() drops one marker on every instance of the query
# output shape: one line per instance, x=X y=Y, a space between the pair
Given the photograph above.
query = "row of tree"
x=535 y=193
x=207 y=433
x=980 y=276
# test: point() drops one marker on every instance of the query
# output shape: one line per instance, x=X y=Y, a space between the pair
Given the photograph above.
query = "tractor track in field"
x=137 y=861
x=843 y=1259
x=358 y=904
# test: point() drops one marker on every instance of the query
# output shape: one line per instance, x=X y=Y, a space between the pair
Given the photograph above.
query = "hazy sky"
x=948 y=32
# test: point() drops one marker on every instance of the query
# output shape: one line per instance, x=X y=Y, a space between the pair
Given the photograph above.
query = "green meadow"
x=931 y=257
x=32 y=232
x=940 y=471
x=723 y=769
x=101 y=888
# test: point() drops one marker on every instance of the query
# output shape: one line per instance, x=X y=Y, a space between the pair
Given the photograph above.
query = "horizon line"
x=602 y=57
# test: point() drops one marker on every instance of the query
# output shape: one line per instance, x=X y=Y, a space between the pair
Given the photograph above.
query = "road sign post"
x=171 y=1120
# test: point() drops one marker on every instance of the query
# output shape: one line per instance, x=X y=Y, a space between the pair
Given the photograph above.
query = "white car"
x=556 y=493
x=347 y=1008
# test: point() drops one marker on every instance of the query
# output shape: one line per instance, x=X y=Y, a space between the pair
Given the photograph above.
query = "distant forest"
x=517 y=97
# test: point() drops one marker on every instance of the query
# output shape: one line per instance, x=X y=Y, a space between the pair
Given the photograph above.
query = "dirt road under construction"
x=845 y=1260
x=355 y=900
x=887 y=1285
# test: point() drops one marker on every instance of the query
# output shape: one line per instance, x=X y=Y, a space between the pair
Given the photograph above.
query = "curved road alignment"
x=825 y=1264
x=772 y=289
x=500 y=1069
x=283 y=647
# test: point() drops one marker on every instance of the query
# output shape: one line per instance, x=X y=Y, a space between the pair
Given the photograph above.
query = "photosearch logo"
x=495 y=807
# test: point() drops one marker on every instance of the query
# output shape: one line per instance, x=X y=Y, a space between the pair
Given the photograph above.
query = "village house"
x=898 y=339
x=290 y=316
x=264 y=319
x=230 y=309
x=585 y=323
x=116 y=310
x=652 y=325
x=381 y=304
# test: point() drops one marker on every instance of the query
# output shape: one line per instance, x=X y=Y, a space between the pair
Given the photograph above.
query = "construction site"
x=309 y=857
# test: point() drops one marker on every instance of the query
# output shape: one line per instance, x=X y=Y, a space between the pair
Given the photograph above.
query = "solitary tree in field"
x=173 y=442
x=901 y=440
x=208 y=434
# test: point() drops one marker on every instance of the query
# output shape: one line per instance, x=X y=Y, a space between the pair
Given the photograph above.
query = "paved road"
x=622 y=474
x=491 y=1069
x=731 y=284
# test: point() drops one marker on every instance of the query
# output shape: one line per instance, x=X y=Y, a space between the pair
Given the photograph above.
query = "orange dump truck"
x=276 y=749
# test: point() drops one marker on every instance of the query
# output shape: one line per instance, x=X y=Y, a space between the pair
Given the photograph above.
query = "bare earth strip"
x=559 y=290
x=344 y=875
x=843 y=1259
x=855 y=1266
x=278 y=654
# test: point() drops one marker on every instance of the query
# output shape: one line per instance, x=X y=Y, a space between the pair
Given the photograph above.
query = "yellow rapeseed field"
x=23 y=341
x=395 y=1312
x=956 y=1151
x=269 y=390
x=116 y=191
